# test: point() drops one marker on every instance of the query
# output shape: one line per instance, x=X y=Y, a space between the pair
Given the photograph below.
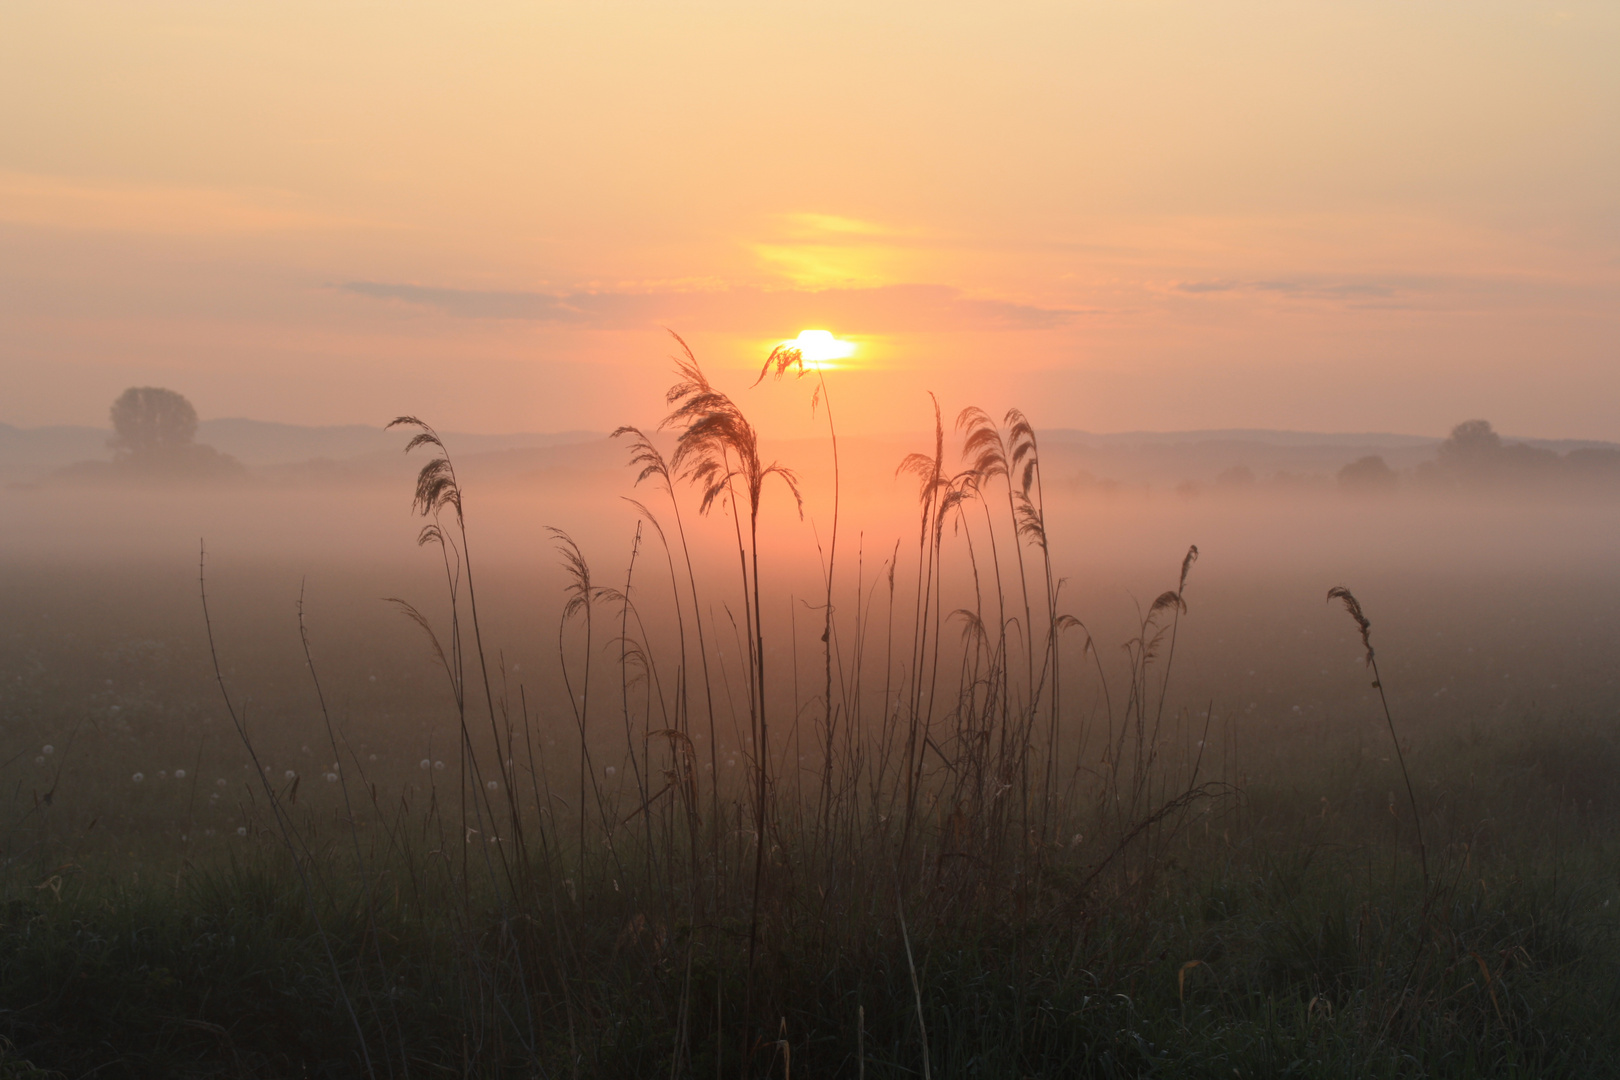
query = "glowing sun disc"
x=819 y=346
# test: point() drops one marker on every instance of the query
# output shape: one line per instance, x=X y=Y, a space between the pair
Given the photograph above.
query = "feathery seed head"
x=436 y=485
x=1353 y=606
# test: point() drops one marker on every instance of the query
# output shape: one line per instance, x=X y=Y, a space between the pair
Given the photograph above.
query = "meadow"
x=971 y=771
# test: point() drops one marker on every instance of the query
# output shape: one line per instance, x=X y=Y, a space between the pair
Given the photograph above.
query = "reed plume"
x=1364 y=625
x=716 y=451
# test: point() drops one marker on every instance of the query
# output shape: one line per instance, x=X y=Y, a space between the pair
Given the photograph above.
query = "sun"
x=819 y=347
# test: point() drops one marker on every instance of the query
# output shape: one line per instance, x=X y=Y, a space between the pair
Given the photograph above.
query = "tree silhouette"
x=1371 y=473
x=1473 y=448
x=1475 y=453
x=148 y=420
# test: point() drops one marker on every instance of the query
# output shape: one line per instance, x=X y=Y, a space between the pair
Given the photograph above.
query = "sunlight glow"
x=819 y=346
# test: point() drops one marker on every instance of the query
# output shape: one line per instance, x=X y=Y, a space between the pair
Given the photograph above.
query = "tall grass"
x=948 y=801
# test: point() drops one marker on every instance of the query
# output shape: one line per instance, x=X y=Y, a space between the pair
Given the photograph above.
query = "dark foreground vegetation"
x=925 y=826
x=1283 y=941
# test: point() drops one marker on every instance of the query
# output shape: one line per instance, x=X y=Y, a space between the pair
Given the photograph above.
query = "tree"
x=1476 y=454
x=1474 y=448
x=147 y=420
x=1371 y=473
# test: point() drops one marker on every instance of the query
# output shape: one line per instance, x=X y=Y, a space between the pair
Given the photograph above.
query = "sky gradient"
x=1117 y=215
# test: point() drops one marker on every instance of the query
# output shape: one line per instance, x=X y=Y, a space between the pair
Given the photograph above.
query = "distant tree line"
x=1474 y=457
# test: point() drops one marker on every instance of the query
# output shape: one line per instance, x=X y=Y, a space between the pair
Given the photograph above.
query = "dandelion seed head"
x=331 y=778
x=426 y=764
x=220 y=782
x=179 y=774
x=492 y=785
x=138 y=777
x=438 y=766
x=241 y=830
x=47 y=750
x=289 y=774
x=611 y=770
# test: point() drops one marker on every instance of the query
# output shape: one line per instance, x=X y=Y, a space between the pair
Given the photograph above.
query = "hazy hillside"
x=259 y=442
x=29 y=453
x=293 y=453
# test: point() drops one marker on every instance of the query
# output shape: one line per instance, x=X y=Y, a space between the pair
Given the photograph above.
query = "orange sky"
x=1119 y=215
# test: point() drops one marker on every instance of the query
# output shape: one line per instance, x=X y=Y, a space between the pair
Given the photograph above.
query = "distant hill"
x=260 y=442
x=294 y=453
x=1235 y=457
x=30 y=454
x=1267 y=437
x=1208 y=457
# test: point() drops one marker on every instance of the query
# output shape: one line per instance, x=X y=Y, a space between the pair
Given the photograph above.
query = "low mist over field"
x=1491 y=604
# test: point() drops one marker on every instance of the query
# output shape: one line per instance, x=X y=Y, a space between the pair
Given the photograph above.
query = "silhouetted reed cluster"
x=951 y=774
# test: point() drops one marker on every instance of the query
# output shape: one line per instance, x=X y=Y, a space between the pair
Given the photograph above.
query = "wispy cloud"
x=1418 y=291
x=1304 y=288
x=876 y=310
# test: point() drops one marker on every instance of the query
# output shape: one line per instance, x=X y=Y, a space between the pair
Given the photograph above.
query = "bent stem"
x=1353 y=606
